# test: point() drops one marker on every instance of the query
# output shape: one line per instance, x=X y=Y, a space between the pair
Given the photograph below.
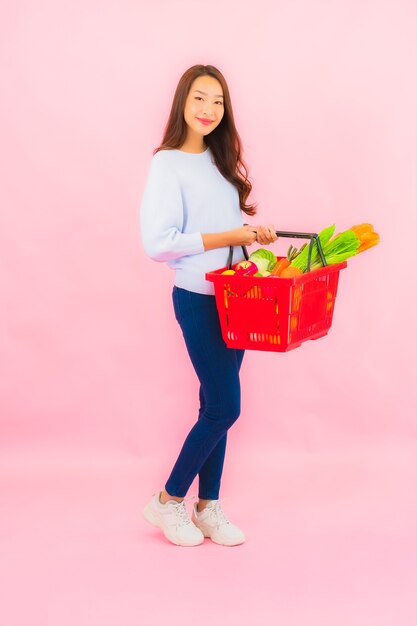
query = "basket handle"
x=230 y=257
x=285 y=233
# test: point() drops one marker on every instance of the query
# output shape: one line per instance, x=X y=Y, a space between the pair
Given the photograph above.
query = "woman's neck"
x=186 y=147
x=193 y=143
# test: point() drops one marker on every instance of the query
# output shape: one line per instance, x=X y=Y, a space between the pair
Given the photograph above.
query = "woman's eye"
x=200 y=98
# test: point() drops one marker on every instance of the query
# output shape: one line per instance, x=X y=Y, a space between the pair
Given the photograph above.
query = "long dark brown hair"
x=224 y=141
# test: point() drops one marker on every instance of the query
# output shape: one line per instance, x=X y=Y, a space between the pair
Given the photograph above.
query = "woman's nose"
x=207 y=109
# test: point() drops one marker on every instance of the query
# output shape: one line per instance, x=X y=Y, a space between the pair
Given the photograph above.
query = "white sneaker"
x=214 y=524
x=173 y=519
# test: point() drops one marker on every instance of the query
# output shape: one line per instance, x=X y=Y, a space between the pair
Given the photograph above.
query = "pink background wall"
x=324 y=97
x=92 y=359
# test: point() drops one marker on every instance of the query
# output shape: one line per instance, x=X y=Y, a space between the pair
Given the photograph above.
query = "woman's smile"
x=205 y=121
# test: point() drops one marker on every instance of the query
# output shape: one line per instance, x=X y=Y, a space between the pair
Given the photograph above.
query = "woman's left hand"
x=266 y=234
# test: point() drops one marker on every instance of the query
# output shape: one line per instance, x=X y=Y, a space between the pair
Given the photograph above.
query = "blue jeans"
x=217 y=368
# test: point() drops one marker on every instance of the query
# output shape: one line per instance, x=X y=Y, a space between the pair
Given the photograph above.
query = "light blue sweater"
x=185 y=195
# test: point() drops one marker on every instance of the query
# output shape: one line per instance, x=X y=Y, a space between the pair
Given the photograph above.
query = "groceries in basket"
x=276 y=303
x=336 y=249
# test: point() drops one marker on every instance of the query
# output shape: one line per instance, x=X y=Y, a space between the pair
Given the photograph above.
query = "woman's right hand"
x=244 y=236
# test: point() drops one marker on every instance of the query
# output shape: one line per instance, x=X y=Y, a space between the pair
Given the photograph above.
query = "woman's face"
x=204 y=102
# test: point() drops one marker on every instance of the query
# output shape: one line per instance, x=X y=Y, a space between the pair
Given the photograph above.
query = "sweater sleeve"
x=162 y=217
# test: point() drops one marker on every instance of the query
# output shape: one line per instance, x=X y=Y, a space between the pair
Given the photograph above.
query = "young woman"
x=191 y=212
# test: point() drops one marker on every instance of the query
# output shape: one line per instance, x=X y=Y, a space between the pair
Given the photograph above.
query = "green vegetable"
x=300 y=260
x=337 y=250
x=265 y=260
x=293 y=252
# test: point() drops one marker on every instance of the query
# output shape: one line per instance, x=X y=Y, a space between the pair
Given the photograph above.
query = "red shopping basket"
x=272 y=313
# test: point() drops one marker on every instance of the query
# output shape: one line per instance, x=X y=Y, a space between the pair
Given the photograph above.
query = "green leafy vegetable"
x=337 y=250
x=265 y=260
x=300 y=260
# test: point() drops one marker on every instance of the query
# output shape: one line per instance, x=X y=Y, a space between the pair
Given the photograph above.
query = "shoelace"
x=183 y=518
x=215 y=511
